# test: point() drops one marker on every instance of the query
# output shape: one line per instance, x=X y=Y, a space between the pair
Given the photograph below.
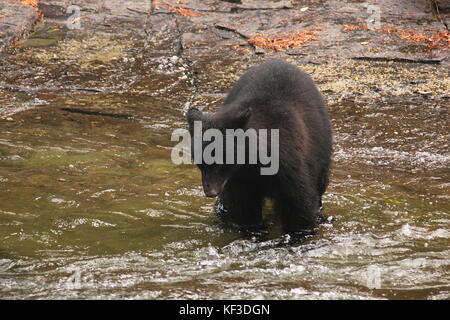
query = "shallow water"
x=92 y=207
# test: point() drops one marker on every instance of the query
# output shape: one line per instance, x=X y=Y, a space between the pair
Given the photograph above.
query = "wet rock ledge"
x=336 y=29
x=192 y=50
x=16 y=22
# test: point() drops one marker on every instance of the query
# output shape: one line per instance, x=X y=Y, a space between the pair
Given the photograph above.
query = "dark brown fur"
x=274 y=95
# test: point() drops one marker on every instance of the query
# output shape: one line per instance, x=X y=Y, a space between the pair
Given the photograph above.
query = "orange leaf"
x=435 y=40
x=283 y=41
x=184 y=12
x=33 y=3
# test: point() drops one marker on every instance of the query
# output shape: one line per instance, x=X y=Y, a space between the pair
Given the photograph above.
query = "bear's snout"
x=212 y=187
x=211 y=193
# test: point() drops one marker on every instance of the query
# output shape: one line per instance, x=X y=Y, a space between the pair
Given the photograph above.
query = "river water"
x=91 y=205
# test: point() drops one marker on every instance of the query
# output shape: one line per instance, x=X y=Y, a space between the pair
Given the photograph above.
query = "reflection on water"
x=92 y=207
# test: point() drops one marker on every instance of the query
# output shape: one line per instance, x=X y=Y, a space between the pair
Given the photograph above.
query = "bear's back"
x=274 y=82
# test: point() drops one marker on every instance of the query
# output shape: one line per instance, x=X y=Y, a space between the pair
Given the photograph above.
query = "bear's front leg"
x=240 y=203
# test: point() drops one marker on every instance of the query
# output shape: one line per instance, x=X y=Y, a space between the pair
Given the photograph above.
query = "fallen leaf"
x=283 y=41
x=33 y=3
x=185 y=12
x=438 y=39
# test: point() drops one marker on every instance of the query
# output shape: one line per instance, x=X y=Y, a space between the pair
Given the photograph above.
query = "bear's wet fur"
x=273 y=95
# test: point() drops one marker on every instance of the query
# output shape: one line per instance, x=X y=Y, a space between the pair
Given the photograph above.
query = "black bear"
x=274 y=95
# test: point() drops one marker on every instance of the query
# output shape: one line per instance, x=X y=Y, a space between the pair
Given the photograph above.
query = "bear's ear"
x=234 y=117
x=192 y=115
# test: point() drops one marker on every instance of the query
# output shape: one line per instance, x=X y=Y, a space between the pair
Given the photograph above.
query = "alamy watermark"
x=373 y=277
x=234 y=146
x=374 y=19
x=79 y=280
x=74 y=20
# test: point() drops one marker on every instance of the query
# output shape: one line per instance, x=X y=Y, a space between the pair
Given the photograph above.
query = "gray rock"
x=16 y=22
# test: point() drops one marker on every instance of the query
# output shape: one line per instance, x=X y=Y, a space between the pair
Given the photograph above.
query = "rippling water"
x=92 y=207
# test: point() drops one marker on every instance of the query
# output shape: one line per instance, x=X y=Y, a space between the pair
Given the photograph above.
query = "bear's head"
x=208 y=137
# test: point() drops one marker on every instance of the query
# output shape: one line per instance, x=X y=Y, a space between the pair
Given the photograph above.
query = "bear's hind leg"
x=296 y=218
x=297 y=206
